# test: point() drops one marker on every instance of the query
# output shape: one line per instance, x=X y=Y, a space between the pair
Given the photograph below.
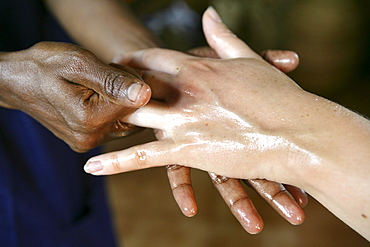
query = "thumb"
x=221 y=39
x=122 y=87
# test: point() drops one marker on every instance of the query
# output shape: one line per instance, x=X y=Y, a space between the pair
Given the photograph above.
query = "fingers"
x=298 y=194
x=222 y=40
x=154 y=115
x=152 y=154
x=126 y=69
x=278 y=197
x=286 y=61
x=239 y=203
x=116 y=85
x=182 y=189
x=167 y=61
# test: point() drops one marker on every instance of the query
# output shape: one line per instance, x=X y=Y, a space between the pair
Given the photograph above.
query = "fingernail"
x=133 y=91
x=213 y=14
x=93 y=166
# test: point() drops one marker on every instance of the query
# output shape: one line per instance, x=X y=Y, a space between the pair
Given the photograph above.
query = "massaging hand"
x=71 y=92
x=285 y=199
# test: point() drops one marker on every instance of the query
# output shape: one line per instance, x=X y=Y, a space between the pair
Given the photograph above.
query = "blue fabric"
x=46 y=199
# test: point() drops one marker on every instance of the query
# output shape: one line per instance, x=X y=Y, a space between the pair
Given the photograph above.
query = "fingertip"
x=299 y=195
x=185 y=199
x=93 y=166
x=255 y=229
x=303 y=201
x=292 y=212
x=298 y=220
x=189 y=212
x=297 y=216
x=212 y=14
x=286 y=61
x=139 y=93
x=107 y=164
x=222 y=39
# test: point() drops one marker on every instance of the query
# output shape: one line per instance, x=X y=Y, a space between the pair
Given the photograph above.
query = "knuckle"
x=235 y=202
x=181 y=187
x=218 y=179
x=173 y=167
x=140 y=159
x=115 y=163
x=114 y=85
x=80 y=59
x=278 y=194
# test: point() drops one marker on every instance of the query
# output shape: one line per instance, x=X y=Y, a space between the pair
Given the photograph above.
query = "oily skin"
x=71 y=92
x=192 y=132
x=115 y=21
x=73 y=99
x=66 y=99
x=286 y=200
x=231 y=189
x=200 y=118
x=215 y=117
x=265 y=126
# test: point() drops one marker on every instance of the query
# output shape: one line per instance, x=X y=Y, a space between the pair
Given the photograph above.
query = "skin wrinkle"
x=272 y=197
x=234 y=202
x=182 y=185
x=110 y=84
x=115 y=161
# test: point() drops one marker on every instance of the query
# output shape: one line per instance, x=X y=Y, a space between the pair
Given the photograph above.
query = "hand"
x=286 y=200
x=71 y=92
x=200 y=119
x=231 y=190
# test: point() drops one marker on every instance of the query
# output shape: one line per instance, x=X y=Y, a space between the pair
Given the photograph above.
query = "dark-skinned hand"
x=71 y=92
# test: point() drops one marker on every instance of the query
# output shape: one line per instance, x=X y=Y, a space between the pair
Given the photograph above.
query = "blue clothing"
x=46 y=199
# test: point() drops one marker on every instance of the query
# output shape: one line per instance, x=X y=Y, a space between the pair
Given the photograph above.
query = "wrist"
x=331 y=143
x=14 y=67
x=5 y=77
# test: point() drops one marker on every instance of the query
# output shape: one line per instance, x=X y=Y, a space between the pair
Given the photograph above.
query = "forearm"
x=3 y=74
x=345 y=179
x=337 y=171
x=107 y=27
x=10 y=62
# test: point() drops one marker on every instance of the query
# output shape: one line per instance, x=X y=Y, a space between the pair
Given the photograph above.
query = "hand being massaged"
x=240 y=117
x=287 y=200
